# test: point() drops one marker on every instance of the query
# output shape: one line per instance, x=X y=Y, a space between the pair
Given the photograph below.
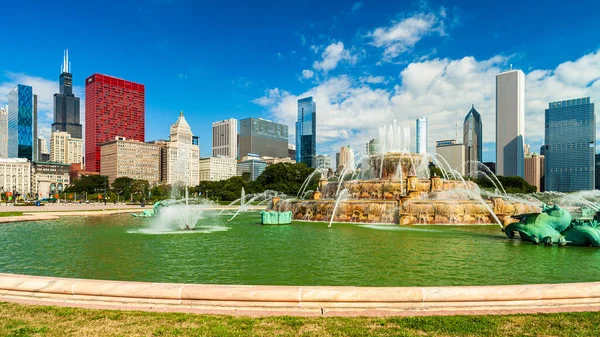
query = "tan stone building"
x=345 y=157
x=217 y=168
x=534 y=171
x=181 y=155
x=453 y=153
x=64 y=149
x=49 y=179
x=130 y=158
x=15 y=176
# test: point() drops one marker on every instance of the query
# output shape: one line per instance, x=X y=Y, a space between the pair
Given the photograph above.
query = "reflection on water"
x=244 y=252
x=197 y=230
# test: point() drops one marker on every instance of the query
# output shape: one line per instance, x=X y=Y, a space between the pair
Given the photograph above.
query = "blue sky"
x=366 y=62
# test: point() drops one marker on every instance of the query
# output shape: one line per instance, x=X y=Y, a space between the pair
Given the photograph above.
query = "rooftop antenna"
x=456 y=125
x=511 y=67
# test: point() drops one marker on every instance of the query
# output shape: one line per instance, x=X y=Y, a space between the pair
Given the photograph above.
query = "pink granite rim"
x=298 y=300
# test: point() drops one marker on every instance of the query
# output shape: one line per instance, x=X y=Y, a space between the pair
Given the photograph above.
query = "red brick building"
x=113 y=107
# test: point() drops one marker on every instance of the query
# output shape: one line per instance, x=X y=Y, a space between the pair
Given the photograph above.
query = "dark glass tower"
x=570 y=145
x=66 y=105
x=263 y=137
x=472 y=139
x=306 y=132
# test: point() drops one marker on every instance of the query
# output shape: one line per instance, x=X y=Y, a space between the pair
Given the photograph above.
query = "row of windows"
x=568 y=123
x=568 y=146
x=572 y=169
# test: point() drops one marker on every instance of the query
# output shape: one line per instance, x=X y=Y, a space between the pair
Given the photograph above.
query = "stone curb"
x=296 y=300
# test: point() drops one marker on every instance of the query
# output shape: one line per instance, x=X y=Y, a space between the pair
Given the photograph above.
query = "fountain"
x=394 y=187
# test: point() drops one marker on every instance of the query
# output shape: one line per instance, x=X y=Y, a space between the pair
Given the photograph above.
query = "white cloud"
x=350 y=111
x=306 y=73
x=332 y=56
x=373 y=79
x=402 y=35
x=356 y=6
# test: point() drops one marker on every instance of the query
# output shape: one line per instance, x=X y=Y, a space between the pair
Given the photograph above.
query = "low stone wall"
x=297 y=300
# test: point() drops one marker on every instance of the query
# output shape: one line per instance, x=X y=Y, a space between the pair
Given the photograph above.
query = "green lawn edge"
x=35 y=320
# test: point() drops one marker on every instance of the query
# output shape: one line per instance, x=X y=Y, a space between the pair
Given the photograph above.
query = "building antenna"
x=456 y=125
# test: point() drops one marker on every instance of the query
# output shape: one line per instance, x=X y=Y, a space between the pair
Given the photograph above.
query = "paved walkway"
x=55 y=211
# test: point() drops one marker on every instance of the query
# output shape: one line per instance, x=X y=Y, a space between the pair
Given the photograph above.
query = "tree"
x=140 y=188
x=88 y=184
x=511 y=184
x=122 y=187
x=287 y=178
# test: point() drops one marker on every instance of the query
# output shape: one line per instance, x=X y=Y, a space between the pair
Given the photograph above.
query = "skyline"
x=365 y=64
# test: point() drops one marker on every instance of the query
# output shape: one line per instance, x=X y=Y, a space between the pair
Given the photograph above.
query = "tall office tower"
x=263 y=137
x=3 y=132
x=421 y=135
x=113 y=107
x=66 y=105
x=35 y=145
x=306 y=132
x=570 y=145
x=510 y=123
x=534 y=170
x=224 y=141
x=42 y=149
x=453 y=153
x=20 y=122
x=472 y=140
x=182 y=155
x=346 y=159
x=65 y=149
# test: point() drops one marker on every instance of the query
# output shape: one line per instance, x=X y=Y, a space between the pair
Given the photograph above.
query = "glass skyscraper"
x=20 y=122
x=570 y=145
x=263 y=137
x=472 y=139
x=306 y=132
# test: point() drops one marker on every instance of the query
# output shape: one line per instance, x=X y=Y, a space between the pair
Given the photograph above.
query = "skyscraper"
x=421 y=135
x=570 y=145
x=113 y=107
x=20 y=122
x=3 y=132
x=453 y=153
x=182 y=155
x=65 y=149
x=66 y=105
x=263 y=137
x=472 y=140
x=42 y=153
x=345 y=159
x=534 y=170
x=510 y=123
x=306 y=132
x=224 y=138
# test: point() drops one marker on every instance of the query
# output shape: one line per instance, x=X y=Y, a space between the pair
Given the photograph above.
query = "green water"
x=244 y=252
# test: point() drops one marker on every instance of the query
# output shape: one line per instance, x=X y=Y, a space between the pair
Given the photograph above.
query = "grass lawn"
x=28 y=320
x=2 y=214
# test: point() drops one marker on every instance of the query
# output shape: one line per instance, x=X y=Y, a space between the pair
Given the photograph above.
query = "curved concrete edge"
x=297 y=300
